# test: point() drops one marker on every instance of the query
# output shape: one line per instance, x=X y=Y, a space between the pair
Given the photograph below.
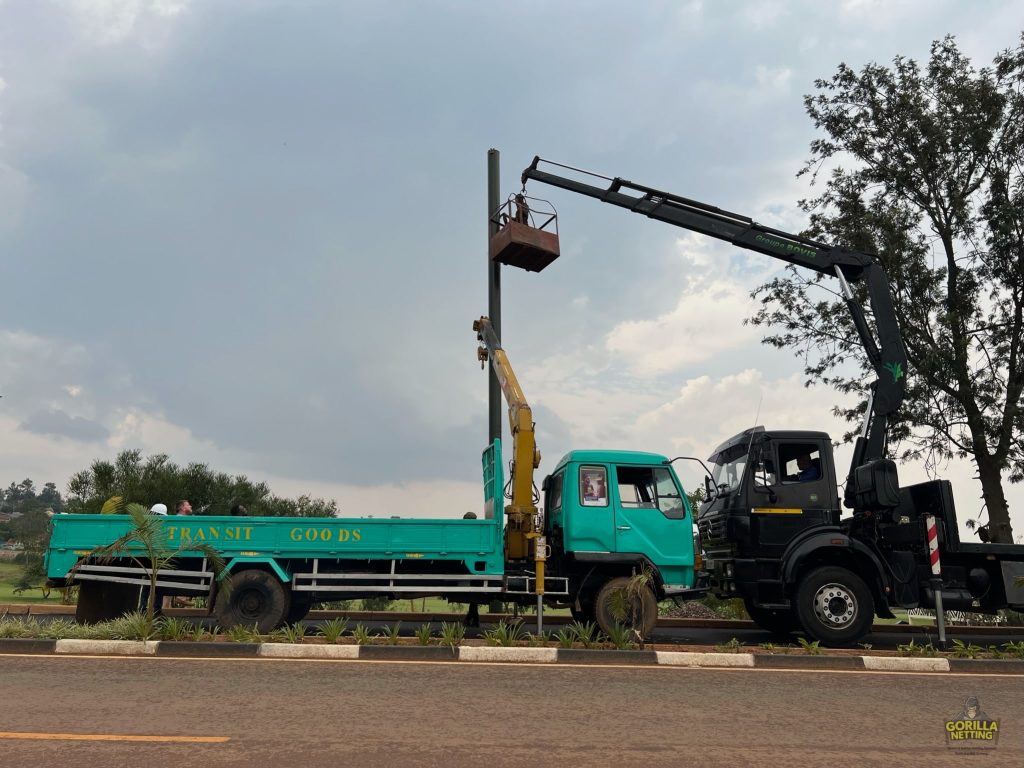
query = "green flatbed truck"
x=609 y=515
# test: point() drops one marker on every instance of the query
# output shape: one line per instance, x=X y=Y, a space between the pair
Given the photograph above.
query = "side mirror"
x=546 y=484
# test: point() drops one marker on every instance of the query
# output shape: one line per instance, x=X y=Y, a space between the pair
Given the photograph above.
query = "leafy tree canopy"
x=924 y=166
x=147 y=481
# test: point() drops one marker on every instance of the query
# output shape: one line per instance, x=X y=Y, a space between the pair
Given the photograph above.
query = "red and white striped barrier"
x=933 y=556
x=933 y=544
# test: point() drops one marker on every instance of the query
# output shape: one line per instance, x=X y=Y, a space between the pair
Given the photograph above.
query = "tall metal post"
x=493 y=294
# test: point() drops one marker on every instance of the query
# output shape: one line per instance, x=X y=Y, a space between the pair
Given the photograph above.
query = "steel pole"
x=493 y=294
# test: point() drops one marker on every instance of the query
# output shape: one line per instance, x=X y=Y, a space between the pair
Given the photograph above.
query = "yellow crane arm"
x=522 y=512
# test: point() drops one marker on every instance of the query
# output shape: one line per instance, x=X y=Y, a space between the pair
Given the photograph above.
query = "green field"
x=9 y=577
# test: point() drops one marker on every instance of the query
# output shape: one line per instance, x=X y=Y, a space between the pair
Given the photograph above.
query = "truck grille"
x=712 y=529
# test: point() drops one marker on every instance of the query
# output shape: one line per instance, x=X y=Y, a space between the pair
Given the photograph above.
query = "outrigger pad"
x=519 y=245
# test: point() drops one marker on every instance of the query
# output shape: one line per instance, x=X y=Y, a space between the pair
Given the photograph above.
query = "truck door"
x=651 y=516
x=592 y=527
x=794 y=488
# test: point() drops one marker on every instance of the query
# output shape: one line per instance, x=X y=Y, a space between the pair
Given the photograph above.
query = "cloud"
x=104 y=22
x=60 y=424
x=702 y=325
x=777 y=78
x=764 y=14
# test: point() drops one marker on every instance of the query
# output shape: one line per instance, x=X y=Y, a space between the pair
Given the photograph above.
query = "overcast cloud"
x=253 y=233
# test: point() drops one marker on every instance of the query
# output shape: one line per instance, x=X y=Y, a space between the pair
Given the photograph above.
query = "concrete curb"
x=903 y=664
x=408 y=652
x=690 y=659
x=593 y=656
x=785 y=661
x=107 y=647
x=302 y=651
x=27 y=645
x=507 y=655
x=199 y=650
x=510 y=654
x=985 y=666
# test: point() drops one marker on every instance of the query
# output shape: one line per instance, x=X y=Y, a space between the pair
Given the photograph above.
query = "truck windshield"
x=728 y=470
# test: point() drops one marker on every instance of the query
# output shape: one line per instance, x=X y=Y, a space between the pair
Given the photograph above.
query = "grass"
x=9 y=577
x=917 y=649
x=732 y=646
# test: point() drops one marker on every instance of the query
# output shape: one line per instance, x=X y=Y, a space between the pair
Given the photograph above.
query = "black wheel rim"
x=250 y=604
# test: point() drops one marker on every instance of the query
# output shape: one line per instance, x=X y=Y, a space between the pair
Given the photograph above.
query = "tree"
x=29 y=526
x=32 y=531
x=933 y=184
x=50 y=498
x=158 y=479
x=19 y=498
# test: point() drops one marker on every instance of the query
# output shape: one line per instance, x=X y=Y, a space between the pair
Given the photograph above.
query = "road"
x=322 y=713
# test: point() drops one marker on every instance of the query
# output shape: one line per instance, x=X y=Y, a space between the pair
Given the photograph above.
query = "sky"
x=253 y=232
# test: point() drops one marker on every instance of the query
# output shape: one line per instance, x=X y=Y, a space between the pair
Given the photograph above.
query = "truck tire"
x=642 y=616
x=834 y=606
x=778 y=622
x=254 y=598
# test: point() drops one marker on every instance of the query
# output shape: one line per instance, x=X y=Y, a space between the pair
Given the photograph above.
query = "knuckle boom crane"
x=771 y=523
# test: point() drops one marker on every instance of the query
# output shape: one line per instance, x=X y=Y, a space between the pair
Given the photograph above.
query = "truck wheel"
x=778 y=622
x=254 y=598
x=834 y=606
x=641 y=615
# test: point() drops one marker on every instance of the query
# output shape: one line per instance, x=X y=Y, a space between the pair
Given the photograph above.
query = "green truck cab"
x=278 y=567
x=611 y=514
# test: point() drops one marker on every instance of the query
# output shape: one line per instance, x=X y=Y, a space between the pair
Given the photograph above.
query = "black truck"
x=772 y=523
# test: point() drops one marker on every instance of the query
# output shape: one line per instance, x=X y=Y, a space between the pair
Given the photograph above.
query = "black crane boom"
x=884 y=346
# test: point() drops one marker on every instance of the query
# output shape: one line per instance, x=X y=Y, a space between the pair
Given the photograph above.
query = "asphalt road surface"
x=63 y=711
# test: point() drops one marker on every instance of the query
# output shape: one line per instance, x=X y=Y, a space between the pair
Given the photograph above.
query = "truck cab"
x=612 y=514
x=766 y=489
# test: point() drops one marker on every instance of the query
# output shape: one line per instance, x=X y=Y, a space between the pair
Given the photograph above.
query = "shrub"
x=812 y=648
x=240 y=633
x=452 y=634
x=361 y=634
x=914 y=649
x=732 y=646
x=334 y=629
x=392 y=634
x=566 y=637
x=585 y=633
x=174 y=628
x=506 y=633
x=423 y=634
x=621 y=637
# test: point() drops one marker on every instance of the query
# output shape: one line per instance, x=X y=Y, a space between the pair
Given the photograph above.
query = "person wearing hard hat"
x=158 y=509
